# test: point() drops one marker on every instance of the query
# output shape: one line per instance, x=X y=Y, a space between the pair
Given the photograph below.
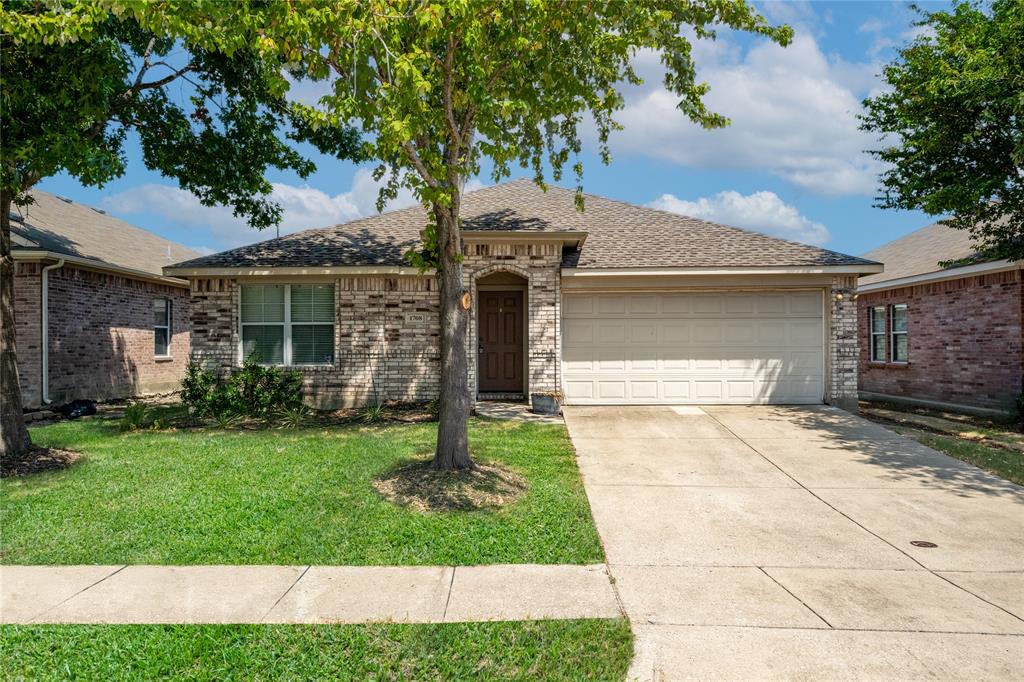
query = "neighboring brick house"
x=945 y=337
x=112 y=325
x=617 y=304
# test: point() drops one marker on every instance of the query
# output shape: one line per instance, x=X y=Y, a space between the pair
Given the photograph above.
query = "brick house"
x=619 y=304
x=941 y=337
x=95 y=317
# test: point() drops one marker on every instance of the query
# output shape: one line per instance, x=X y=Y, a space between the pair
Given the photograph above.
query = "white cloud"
x=304 y=207
x=793 y=111
x=872 y=25
x=761 y=211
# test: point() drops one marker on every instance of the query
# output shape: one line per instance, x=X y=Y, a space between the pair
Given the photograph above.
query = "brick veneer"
x=965 y=340
x=100 y=335
x=843 y=345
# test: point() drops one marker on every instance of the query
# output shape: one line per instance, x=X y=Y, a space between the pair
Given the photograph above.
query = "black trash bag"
x=78 y=408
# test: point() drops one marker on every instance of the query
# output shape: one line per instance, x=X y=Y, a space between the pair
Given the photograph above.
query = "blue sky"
x=791 y=164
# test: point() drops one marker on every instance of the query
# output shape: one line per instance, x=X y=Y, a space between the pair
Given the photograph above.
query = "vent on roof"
x=64 y=199
x=98 y=210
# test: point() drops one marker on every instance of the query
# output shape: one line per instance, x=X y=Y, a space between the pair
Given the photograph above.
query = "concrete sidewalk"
x=303 y=594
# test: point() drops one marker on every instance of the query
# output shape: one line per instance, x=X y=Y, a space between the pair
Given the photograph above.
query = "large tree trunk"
x=453 y=427
x=14 y=438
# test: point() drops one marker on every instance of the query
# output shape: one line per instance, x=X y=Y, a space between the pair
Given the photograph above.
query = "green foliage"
x=372 y=413
x=954 y=112
x=550 y=650
x=294 y=417
x=137 y=415
x=226 y=419
x=1020 y=406
x=253 y=390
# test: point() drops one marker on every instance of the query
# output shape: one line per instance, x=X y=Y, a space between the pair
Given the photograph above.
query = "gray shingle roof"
x=53 y=224
x=619 y=235
x=920 y=252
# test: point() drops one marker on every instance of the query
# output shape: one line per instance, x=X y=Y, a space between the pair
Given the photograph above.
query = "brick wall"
x=843 y=343
x=100 y=336
x=539 y=265
x=27 y=326
x=965 y=340
x=387 y=343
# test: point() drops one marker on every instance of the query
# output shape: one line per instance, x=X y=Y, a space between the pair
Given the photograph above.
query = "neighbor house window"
x=162 y=327
x=898 y=331
x=288 y=324
x=878 y=334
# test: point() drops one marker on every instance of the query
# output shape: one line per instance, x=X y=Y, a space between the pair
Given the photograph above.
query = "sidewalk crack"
x=285 y=593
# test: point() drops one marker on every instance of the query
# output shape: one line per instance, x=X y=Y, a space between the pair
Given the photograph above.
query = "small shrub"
x=136 y=416
x=253 y=390
x=226 y=419
x=1020 y=407
x=372 y=414
x=294 y=417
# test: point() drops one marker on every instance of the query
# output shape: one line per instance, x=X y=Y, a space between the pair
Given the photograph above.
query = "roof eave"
x=265 y=270
x=97 y=265
x=854 y=269
x=941 y=275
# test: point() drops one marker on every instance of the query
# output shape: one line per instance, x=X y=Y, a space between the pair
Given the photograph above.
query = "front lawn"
x=568 y=650
x=208 y=496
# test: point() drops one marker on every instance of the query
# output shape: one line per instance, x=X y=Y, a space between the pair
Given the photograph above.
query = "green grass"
x=285 y=497
x=1001 y=461
x=580 y=649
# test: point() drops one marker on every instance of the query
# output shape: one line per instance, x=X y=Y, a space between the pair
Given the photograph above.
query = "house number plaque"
x=415 y=318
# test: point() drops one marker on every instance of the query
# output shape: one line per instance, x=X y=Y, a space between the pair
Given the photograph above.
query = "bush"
x=251 y=391
x=1020 y=407
x=136 y=416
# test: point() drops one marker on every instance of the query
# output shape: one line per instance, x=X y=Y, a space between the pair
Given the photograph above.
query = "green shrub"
x=294 y=417
x=253 y=390
x=372 y=414
x=136 y=416
x=1020 y=406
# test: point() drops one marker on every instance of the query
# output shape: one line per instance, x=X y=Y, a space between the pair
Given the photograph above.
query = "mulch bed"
x=417 y=486
x=37 y=460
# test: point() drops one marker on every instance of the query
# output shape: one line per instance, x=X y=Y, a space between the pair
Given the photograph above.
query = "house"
x=94 y=316
x=619 y=304
x=948 y=337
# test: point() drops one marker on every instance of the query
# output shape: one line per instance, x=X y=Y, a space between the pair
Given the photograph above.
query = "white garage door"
x=700 y=348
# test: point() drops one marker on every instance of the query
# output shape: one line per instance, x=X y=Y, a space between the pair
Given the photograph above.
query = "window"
x=288 y=324
x=898 y=331
x=878 y=334
x=162 y=327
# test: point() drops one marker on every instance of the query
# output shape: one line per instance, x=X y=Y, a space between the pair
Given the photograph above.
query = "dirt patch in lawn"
x=417 y=486
x=38 y=460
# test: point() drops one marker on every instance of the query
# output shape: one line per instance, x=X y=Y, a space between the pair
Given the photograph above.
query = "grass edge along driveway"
x=303 y=496
x=563 y=649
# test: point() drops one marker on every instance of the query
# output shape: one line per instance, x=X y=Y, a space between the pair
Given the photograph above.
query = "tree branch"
x=417 y=163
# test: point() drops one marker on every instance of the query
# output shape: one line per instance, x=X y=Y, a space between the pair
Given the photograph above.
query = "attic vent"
x=98 y=210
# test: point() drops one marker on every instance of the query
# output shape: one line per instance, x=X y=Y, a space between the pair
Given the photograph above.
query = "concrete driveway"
x=776 y=543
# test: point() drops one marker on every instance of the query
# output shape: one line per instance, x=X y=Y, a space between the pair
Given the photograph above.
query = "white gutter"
x=45 y=324
x=941 y=275
x=768 y=270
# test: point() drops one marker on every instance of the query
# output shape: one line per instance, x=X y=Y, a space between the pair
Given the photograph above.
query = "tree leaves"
x=955 y=116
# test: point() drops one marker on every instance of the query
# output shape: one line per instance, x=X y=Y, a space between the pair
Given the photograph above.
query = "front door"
x=500 y=351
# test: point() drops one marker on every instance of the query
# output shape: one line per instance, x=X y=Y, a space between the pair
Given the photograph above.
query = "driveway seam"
x=790 y=593
x=858 y=524
x=84 y=589
x=285 y=593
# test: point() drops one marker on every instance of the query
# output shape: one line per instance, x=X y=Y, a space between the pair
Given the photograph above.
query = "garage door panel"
x=744 y=348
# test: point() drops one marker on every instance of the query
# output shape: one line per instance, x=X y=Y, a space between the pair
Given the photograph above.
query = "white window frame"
x=872 y=333
x=893 y=333
x=287 y=324
x=167 y=309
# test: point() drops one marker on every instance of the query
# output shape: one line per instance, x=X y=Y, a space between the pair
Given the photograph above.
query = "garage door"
x=700 y=348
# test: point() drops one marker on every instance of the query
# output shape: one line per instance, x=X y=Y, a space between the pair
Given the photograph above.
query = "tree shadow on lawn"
x=417 y=486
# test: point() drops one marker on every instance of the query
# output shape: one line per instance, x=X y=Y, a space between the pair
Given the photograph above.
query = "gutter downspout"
x=45 y=333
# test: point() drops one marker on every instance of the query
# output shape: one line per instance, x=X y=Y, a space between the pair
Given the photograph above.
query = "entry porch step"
x=501 y=396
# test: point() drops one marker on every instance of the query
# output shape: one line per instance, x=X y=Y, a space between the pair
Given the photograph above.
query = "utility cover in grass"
x=417 y=486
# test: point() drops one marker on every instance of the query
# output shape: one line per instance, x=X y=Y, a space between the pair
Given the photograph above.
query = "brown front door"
x=500 y=339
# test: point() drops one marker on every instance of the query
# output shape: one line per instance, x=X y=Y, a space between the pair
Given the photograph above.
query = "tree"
x=76 y=80
x=438 y=86
x=955 y=116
